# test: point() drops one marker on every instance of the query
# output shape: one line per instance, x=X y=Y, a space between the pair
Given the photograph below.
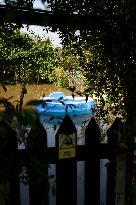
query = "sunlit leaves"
x=110 y=70
x=24 y=58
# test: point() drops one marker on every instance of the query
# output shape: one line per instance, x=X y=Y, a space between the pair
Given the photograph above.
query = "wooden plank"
x=120 y=181
x=103 y=151
x=66 y=169
x=37 y=165
x=92 y=164
x=116 y=178
x=45 y=18
x=9 y=177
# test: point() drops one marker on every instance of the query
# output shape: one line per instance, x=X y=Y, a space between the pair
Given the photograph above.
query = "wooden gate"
x=65 y=155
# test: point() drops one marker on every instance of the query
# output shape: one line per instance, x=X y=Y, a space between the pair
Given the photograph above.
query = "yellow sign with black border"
x=67 y=145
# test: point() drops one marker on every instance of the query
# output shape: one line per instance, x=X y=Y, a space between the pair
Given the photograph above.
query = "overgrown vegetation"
x=109 y=34
x=24 y=58
x=32 y=59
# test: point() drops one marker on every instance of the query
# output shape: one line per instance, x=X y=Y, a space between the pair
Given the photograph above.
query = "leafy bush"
x=60 y=77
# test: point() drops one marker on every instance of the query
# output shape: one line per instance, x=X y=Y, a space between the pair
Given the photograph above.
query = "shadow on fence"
x=36 y=157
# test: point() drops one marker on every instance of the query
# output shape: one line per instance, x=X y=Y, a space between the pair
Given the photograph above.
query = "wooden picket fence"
x=38 y=156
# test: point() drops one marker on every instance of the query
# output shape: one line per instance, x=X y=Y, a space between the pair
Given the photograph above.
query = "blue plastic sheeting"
x=58 y=105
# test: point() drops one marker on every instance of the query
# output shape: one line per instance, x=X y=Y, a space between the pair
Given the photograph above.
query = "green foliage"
x=109 y=30
x=67 y=70
x=31 y=59
x=60 y=77
x=24 y=58
x=110 y=35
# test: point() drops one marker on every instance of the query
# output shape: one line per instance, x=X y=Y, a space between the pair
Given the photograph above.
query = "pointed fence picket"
x=38 y=156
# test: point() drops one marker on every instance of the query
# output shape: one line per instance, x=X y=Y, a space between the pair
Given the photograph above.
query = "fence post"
x=38 y=165
x=117 y=165
x=130 y=168
x=92 y=164
x=66 y=166
x=9 y=176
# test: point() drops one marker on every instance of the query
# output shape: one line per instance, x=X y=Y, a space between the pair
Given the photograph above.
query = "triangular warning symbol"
x=68 y=142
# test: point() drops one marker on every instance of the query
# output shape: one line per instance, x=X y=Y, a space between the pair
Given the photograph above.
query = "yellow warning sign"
x=67 y=145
